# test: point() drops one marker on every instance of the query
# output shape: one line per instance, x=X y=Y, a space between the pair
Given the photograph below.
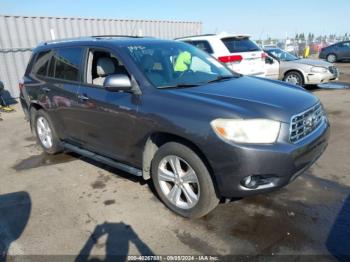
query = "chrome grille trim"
x=333 y=70
x=303 y=124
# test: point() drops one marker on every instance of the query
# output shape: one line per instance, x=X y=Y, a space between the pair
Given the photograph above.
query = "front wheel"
x=182 y=181
x=294 y=77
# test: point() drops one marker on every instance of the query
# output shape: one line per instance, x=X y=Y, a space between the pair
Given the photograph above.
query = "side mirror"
x=117 y=82
x=269 y=60
x=2 y=87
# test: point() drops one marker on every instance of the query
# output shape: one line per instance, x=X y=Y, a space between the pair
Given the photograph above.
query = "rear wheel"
x=182 y=181
x=331 y=58
x=45 y=133
x=294 y=77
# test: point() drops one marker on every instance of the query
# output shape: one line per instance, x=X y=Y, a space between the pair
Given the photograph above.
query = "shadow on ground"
x=15 y=209
x=338 y=242
x=118 y=236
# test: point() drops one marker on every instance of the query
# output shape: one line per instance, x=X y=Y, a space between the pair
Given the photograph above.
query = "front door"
x=107 y=118
x=272 y=68
x=346 y=50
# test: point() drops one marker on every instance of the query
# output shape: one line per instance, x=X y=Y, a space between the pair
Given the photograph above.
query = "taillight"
x=20 y=85
x=263 y=56
x=231 y=58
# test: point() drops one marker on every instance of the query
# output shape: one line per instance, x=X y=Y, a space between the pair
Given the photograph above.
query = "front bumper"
x=283 y=162
x=319 y=78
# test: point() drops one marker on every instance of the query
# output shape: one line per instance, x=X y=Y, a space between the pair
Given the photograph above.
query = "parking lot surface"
x=69 y=205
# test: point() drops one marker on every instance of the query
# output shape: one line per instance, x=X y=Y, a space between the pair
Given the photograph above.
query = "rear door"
x=64 y=79
x=245 y=56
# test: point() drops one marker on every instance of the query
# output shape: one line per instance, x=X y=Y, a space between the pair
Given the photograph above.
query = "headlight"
x=252 y=131
x=318 y=69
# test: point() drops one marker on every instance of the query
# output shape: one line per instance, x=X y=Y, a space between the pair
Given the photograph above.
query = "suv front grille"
x=305 y=123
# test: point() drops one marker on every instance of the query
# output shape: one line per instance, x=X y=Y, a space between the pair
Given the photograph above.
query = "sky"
x=261 y=19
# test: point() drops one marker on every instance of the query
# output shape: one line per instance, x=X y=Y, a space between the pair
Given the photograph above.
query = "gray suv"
x=169 y=112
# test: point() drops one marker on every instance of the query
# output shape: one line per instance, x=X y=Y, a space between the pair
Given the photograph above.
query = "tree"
x=309 y=37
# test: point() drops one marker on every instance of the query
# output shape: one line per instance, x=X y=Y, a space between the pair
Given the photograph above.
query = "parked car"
x=336 y=52
x=292 y=49
x=270 y=46
x=289 y=68
x=167 y=111
x=238 y=52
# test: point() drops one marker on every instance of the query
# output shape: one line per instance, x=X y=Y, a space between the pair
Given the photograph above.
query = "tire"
x=41 y=118
x=203 y=187
x=331 y=58
x=294 y=77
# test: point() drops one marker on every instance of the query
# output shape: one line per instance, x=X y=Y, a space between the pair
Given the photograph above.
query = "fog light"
x=253 y=182
x=250 y=182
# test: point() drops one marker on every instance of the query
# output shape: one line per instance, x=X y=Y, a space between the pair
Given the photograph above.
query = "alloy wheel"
x=178 y=182
x=44 y=132
x=331 y=58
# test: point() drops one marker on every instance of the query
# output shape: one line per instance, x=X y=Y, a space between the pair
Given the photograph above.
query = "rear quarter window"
x=41 y=63
x=237 y=45
x=201 y=44
x=65 y=64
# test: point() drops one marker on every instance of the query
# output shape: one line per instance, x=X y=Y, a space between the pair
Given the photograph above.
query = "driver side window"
x=102 y=64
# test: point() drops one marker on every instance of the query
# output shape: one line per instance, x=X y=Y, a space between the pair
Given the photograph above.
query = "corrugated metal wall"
x=19 y=34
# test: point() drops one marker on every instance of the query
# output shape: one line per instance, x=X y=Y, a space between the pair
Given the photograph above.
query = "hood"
x=252 y=97
x=313 y=62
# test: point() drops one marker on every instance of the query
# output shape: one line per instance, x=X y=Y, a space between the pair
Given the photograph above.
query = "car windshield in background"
x=177 y=64
x=236 y=44
x=281 y=55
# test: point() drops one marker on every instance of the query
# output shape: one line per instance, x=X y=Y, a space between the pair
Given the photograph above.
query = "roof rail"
x=78 y=38
x=193 y=36
x=62 y=40
x=107 y=36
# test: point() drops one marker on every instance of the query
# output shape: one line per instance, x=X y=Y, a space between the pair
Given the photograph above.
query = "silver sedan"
x=284 y=66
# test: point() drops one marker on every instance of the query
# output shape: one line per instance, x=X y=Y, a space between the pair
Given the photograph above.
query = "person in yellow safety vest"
x=183 y=62
x=306 y=51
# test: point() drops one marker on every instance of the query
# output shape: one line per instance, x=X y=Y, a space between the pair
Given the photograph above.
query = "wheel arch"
x=332 y=53
x=33 y=107
x=158 y=139
x=295 y=70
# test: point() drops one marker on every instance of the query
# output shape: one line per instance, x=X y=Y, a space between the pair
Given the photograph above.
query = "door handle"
x=83 y=97
x=45 y=89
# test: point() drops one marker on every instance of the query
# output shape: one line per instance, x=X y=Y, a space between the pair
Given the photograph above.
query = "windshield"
x=177 y=64
x=281 y=55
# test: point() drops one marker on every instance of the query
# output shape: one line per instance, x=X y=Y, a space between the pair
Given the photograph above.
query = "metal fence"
x=19 y=34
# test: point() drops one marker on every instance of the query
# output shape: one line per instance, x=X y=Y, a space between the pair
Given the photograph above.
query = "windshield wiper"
x=180 y=85
x=219 y=78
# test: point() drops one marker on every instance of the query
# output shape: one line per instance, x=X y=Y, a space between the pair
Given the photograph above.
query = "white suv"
x=238 y=52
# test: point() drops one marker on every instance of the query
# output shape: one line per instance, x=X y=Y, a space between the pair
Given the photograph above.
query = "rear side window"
x=345 y=44
x=236 y=45
x=65 y=64
x=42 y=63
x=203 y=45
